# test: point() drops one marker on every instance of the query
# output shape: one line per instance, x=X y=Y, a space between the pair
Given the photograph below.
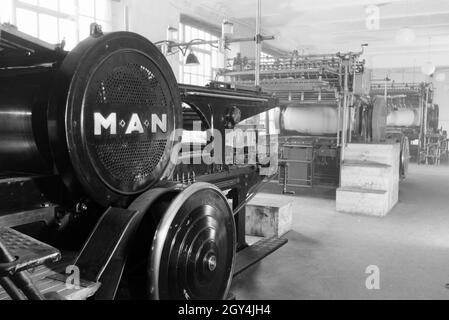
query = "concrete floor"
x=328 y=252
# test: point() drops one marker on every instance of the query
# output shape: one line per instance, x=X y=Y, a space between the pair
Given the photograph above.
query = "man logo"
x=134 y=123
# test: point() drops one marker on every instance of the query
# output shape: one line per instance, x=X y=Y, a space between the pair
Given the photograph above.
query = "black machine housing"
x=97 y=127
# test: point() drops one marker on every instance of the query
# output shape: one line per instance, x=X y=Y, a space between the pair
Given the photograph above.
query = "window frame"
x=74 y=17
x=207 y=55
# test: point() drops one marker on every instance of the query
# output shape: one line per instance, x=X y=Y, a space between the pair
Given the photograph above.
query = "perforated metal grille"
x=131 y=161
x=131 y=84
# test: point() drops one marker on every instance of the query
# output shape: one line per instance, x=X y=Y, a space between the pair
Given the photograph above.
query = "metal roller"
x=403 y=118
x=23 y=126
x=310 y=119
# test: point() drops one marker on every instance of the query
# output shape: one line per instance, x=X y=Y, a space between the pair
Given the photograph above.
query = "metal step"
x=256 y=252
x=51 y=282
x=29 y=251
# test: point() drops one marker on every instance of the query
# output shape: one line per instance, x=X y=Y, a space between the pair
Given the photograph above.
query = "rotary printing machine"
x=88 y=180
x=318 y=97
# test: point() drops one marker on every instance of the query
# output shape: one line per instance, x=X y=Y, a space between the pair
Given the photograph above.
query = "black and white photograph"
x=225 y=155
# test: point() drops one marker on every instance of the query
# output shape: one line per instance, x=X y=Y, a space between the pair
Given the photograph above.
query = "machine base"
x=256 y=252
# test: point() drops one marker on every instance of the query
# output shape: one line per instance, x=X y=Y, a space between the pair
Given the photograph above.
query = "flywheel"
x=185 y=248
x=193 y=250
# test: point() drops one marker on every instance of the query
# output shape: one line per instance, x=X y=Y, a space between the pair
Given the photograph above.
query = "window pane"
x=49 y=4
x=181 y=75
x=208 y=65
x=67 y=6
x=194 y=79
x=207 y=55
x=106 y=26
x=188 y=35
x=201 y=69
x=27 y=21
x=215 y=59
x=48 y=28
x=87 y=7
x=204 y=71
x=194 y=33
x=201 y=36
x=6 y=11
x=84 y=27
x=68 y=33
x=197 y=69
x=103 y=9
x=33 y=2
x=187 y=78
x=181 y=32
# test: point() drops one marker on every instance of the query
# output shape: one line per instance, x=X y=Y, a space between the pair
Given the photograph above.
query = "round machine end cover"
x=122 y=109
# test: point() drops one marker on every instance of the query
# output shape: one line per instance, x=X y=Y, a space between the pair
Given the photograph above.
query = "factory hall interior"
x=224 y=150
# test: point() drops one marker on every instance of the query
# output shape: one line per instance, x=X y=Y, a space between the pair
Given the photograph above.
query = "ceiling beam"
x=362 y=19
x=417 y=29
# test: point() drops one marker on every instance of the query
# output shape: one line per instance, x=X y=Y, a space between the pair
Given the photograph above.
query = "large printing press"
x=90 y=180
x=316 y=94
x=413 y=115
x=327 y=101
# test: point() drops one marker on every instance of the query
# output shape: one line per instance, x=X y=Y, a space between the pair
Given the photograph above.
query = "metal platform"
x=29 y=252
x=38 y=261
x=51 y=282
x=256 y=252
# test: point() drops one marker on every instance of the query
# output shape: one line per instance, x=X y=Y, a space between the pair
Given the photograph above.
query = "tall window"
x=209 y=57
x=57 y=20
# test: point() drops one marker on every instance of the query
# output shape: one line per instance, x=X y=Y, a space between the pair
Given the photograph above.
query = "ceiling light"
x=227 y=28
x=192 y=60
x=405 y=36
x=172 y=34
x=428 y=68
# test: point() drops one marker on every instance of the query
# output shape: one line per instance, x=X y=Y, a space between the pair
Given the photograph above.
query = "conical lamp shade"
x=192 y=60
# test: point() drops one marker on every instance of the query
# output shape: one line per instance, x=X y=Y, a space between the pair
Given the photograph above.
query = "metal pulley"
x=191 y=248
